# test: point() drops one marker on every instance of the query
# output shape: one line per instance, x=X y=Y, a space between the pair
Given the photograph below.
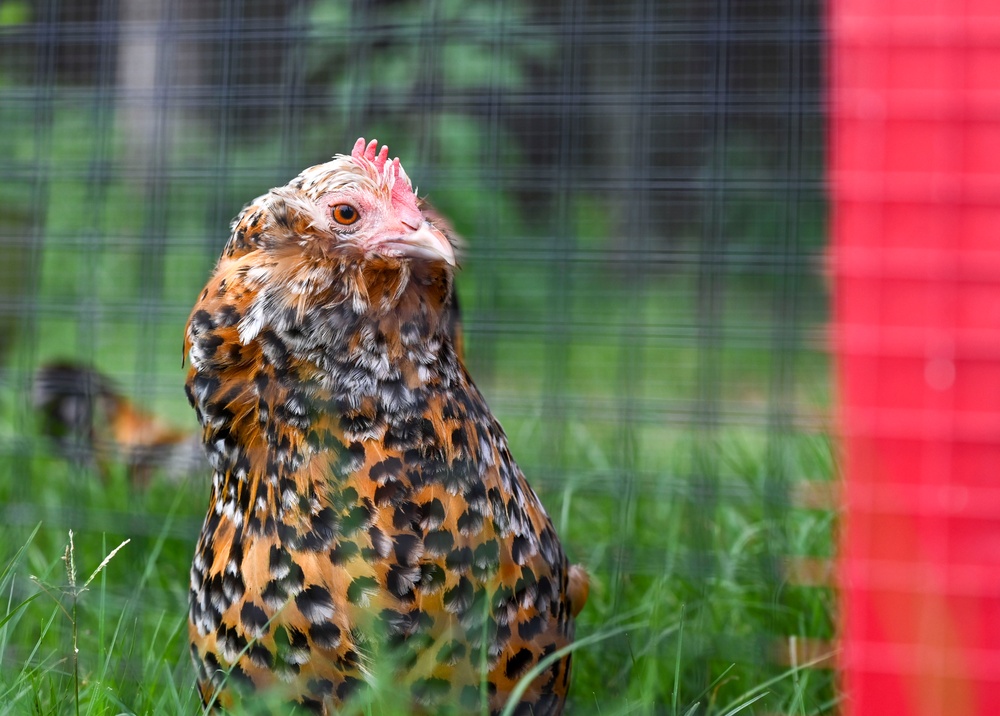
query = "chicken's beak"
x=425 y=242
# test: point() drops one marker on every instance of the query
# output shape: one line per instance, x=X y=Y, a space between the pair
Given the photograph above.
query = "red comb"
x=369 y=152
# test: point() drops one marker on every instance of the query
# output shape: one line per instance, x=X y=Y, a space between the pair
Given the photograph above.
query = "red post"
x=915 y=177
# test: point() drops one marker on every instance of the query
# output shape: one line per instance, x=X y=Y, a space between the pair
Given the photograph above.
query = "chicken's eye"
x=345 y=214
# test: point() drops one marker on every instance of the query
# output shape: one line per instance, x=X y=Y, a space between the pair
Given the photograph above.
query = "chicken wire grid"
x=638 y=185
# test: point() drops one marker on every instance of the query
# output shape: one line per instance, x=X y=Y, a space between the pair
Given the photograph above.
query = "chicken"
x=93 y=425
x=365 y=507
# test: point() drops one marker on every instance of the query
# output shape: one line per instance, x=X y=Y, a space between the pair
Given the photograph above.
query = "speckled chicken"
x=365 y=507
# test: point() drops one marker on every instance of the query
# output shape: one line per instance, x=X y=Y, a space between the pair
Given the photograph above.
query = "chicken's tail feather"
x=579 y=588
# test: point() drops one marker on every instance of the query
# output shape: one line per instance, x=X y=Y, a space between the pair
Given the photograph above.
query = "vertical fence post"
x=915 y=179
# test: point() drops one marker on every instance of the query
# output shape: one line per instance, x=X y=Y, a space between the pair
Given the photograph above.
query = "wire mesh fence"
x=638 y=185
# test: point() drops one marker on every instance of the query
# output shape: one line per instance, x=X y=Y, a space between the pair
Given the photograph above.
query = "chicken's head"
x=348 y=232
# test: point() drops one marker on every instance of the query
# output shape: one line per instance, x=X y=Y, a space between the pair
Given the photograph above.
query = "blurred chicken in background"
x=94 y=426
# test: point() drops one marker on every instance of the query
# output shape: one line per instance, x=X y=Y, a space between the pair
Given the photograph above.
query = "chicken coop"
x=727 y=280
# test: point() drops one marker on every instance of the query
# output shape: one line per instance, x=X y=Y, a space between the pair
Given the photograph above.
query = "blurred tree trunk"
x=160 y=68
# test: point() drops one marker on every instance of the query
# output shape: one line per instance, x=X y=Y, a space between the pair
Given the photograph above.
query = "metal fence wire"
x=639 y=188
